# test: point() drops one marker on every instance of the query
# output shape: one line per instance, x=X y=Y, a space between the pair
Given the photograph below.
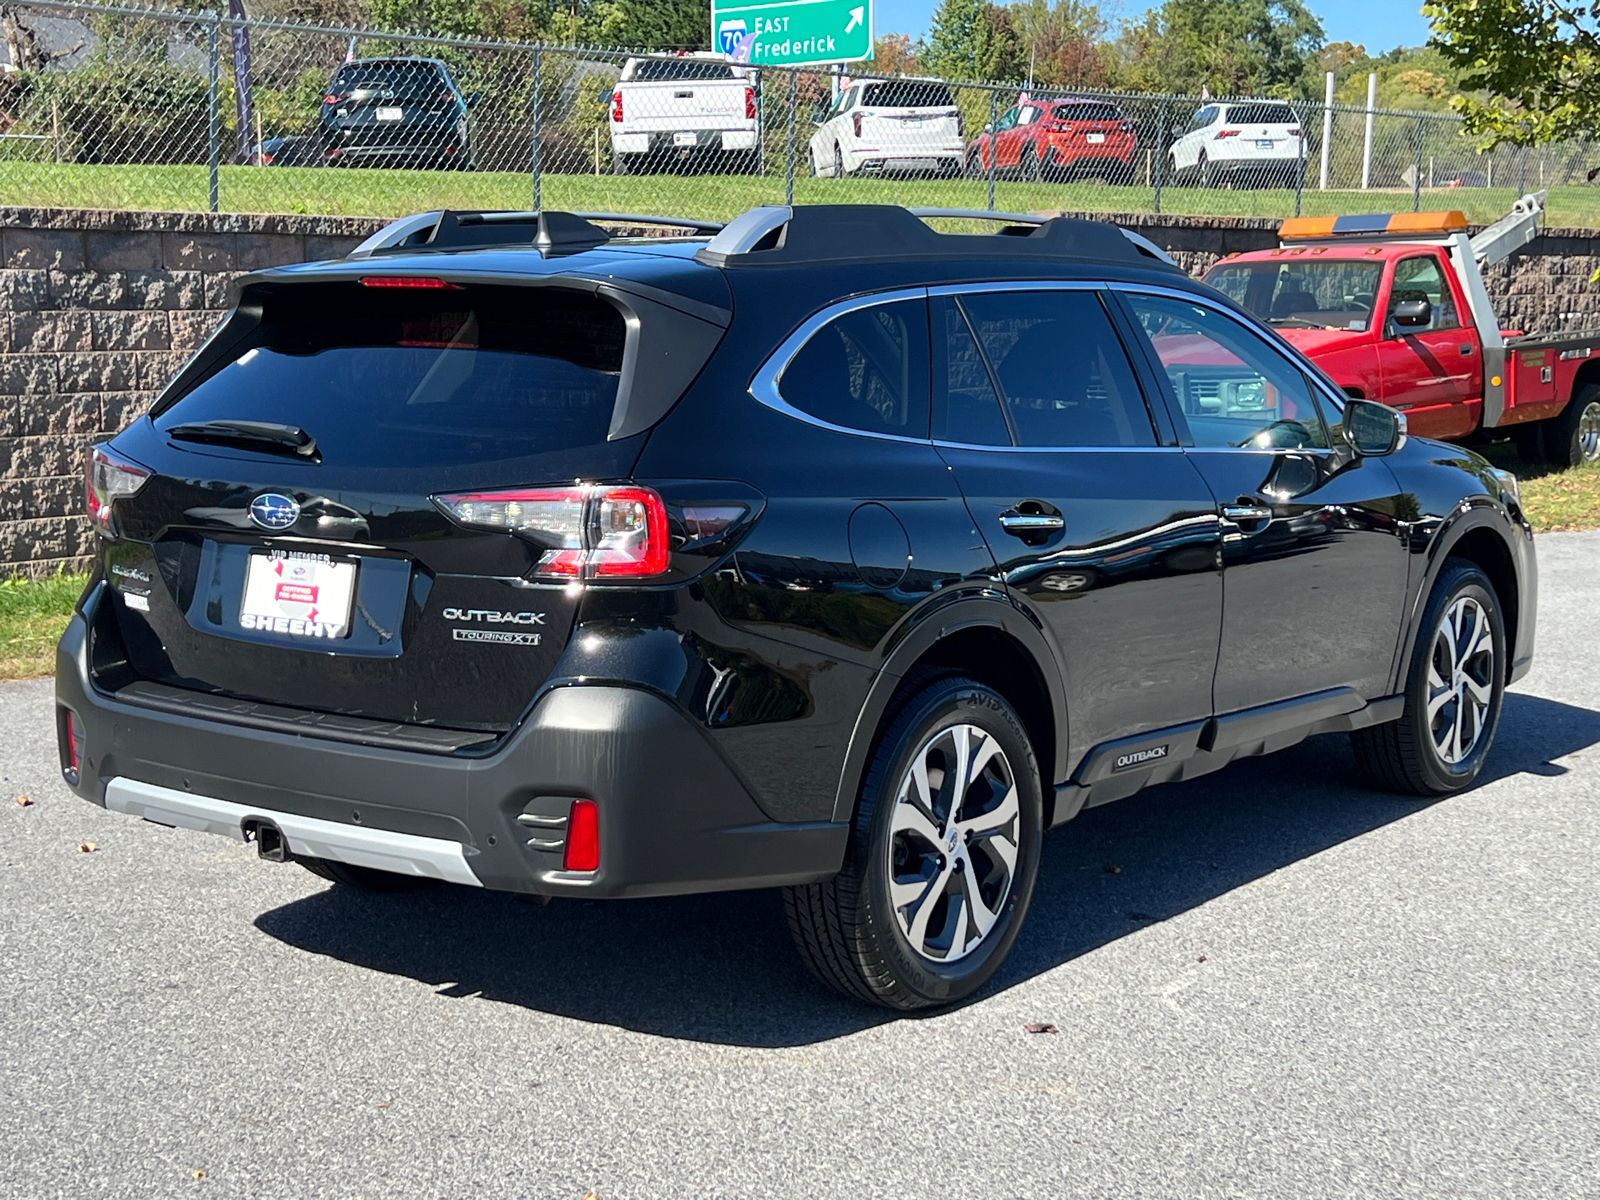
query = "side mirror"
x=1373 y=429
x=472 y=99
x=1412 y=314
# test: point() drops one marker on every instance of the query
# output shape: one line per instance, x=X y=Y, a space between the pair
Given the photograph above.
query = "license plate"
x=391 y=114
x=1265 y=144
x=1094 y=139
x=684 y=139
x=300 y=594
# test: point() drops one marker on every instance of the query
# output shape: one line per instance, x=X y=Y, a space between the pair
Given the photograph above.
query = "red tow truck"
x=1393 y=308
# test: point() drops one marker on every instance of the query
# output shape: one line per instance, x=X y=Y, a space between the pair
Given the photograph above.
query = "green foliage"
x=1536 y=62
x=1231 y=47
x=1417 y=79
x=660 y=24
x=953 y=36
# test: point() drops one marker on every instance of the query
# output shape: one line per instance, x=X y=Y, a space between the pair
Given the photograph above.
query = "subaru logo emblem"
x=271 y=510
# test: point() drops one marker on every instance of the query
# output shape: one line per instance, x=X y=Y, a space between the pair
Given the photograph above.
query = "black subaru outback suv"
x=829 y=552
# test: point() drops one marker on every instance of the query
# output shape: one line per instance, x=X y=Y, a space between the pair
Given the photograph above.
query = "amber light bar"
x=1373 y=225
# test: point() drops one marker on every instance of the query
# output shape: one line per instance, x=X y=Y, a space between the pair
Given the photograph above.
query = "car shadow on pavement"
x=720 y=968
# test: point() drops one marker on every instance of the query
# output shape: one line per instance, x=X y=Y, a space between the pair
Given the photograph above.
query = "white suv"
x=889 y=127
x=1250 y=141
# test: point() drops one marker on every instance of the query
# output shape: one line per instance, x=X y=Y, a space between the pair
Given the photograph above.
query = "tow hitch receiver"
x=270 y=842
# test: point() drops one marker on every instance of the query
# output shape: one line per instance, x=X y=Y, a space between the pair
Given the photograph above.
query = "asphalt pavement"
x=1270 y=982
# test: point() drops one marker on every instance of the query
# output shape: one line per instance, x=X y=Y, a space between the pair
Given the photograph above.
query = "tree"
x=894 y=54
x=1536 y=63
x=661 y=24
x=952 y=38
x=1232 y=47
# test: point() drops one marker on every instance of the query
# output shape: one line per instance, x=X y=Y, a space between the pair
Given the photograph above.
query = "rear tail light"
x=1294 y=133
x=603 y=531
x=1059 y=127
x=961 y=125
x=749 y=104
x=446 y=97
x=1227 y=133
x=583 y=837
x=616 y=106
x=336 y=98
x=857 y=120
x=108 y=477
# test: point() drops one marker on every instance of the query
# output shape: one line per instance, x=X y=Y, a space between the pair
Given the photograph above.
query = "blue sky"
x=1377 y=24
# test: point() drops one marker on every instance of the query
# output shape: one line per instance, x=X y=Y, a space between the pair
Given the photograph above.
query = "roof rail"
x=983 y=214
x=551 y=231
x=792 y=235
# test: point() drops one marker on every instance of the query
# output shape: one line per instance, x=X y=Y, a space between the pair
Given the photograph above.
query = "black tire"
x=811 y=164
x=1203 y=172
x=1172 y=170
x=620 y=165
x=1404 y=755
x=1572 y=438
x=849 y=931
x=975 y=168
x=838 y=162
x=365 y=878
x=1028 y=165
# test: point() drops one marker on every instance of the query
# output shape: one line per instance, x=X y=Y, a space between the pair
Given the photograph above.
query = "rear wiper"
x=268 y=437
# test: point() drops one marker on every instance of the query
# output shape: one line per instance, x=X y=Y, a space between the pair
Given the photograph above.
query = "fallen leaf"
x=87 y=847
x=197 y=1174
x=1110 y=870
x=383 y=1106
x=591 y=1196
x=24 y=801
x=1039 y=1027
x=1202 y=958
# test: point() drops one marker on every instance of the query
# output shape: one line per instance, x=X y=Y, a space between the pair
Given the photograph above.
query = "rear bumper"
x=674 y=817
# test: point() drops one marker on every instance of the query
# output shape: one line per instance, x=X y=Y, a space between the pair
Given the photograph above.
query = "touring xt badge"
x=495 y=617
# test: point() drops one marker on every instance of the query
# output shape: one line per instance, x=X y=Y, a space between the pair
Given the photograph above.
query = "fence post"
x=1161 y=158
x=538 y=183
x=1522 y=184
x=1416 y=178
x=993 y=157
x=213 y=116
x=761 y=125
x=1300 y=165
x=1366 y=144
x=788 y=170
x=1327 y=128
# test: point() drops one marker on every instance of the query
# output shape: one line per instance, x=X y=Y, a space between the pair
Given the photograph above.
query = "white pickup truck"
x=684 y=111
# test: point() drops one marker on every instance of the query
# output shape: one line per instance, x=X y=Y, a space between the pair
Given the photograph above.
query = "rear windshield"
x=1260 y=114
x=653 y=70
x=414 y=377
x=905 y=93
x=1088 y=112
x=388 y=75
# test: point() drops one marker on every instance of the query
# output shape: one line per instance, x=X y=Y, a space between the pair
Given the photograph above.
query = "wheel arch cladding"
x=993 y=657
x=1486 y=549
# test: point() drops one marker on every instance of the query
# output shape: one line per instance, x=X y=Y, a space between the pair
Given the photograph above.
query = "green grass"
x=1554 y=499
x=33 y=612
x=388 y=193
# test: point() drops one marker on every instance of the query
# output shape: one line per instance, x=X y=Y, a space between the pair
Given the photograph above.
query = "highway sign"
x=792 y=32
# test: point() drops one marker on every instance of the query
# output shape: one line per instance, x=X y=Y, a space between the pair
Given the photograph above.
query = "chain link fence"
x=126 y=108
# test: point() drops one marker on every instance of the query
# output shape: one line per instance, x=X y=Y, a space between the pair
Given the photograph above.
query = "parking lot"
x=1269 y=982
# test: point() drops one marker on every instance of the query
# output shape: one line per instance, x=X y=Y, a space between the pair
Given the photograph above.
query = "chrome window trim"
x=1060 y=449
x=1311 y=372
x=1018 y=285
x=764 y=386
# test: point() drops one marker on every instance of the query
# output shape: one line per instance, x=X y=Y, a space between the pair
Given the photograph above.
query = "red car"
x=1058 y=139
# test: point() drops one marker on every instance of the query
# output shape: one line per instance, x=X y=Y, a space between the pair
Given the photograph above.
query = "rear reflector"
x=583 y=837
x=72 y=745
x=407 y=281
x=601 y=531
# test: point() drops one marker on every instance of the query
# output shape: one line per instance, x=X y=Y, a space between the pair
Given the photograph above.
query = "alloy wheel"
x=1460 y=680
x=953 y=843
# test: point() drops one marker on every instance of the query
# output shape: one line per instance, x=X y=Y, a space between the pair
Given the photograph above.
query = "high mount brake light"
x=408 y=281
x=108 y=477
x=595 y=531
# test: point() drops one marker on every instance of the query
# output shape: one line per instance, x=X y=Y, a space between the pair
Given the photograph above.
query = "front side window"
x=1233 y=387
x=866 y=370
x=1053 y=366
x=1422 y=279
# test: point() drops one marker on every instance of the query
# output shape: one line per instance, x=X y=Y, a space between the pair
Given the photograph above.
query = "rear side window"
x=1062 y=374
x=396 y=377
x=905 y=93
x=655 y=70
x=865 y=370
x=1260 y=114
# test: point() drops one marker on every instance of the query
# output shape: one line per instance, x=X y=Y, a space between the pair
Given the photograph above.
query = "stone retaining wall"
x=99 y=309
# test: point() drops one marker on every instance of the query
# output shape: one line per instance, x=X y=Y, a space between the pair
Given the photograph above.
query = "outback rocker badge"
x=1138 y=758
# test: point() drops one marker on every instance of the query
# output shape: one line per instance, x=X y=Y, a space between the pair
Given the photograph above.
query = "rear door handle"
x=1027 y=524
x=1466 y=349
